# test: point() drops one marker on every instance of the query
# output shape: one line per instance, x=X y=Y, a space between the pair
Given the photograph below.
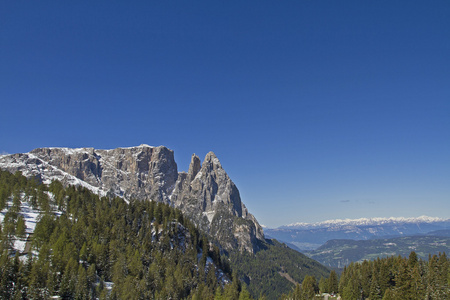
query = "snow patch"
x=108 y=285
x=209 y=215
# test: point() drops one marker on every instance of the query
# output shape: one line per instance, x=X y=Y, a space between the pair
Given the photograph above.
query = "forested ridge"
x=280 y=262
x=397 y=277
x=338 y=253
x=83 y=244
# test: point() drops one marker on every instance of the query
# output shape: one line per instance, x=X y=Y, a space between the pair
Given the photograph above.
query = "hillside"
x=205 y=197
x=340 y=253
x=275 y=268
x=83 y=246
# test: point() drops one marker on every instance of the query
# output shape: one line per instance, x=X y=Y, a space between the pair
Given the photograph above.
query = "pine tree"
x=7 y=276
x=309 y=287
x=375 y=289
x=417 y=290
x=412 y=260
x=244 y=294
x=231 y=291
x=333 y=283
x=401 y=287
x=21 y=227
x=323 y=285
x=69 y=280
x=82 y=285
x=297 y=294
x=219 y=295
x=352 y=289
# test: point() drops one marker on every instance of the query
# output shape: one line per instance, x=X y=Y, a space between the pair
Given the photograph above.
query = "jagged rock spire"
x=194 y=167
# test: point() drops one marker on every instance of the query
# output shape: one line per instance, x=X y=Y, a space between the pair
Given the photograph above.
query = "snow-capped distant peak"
x=366 y=221
x=140 y=146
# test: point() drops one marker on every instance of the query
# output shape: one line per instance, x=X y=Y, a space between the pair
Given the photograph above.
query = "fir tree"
x=333 y=282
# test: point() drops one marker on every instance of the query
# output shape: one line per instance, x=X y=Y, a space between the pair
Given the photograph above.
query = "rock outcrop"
x=212 y=200
x=205 y=193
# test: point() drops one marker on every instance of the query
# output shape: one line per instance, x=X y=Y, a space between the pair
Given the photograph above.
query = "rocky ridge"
x=205 y=193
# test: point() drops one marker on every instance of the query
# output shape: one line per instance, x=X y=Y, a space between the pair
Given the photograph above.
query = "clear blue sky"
x=316 y=109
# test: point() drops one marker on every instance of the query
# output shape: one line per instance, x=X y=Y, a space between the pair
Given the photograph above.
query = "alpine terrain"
x=205 y=193
x=140 y=188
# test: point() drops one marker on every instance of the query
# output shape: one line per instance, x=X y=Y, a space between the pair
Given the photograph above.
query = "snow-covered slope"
x=32 y=166
x=31 y=218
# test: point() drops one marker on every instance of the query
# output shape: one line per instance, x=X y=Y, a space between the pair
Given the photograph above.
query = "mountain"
x=340 y=253
x=310 y=236
x=205 y=193
x=68 y=243
x=148 y=176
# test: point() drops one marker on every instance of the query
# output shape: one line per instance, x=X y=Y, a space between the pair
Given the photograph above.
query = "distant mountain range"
x=310 y=236
x=365 y=222
x=340 y=253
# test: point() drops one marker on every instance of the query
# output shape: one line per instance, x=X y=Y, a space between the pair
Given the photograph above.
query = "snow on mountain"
x=204 y=194
x=31 y=166
x=31 y=218
x=364 y=222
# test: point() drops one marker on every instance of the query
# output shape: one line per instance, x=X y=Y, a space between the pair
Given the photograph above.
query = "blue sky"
x=316 y=109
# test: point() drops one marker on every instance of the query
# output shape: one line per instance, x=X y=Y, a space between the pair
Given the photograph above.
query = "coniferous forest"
x=397 y=277
x=86 y=247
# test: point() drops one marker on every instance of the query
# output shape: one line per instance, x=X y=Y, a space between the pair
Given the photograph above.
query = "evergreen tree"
x=297 y=295
x=333 y=282
x=244 y=294
x=309 y=287
x=21 y=227
x=352 y=289
x=375 y=289
x=231 y=291
x=323 y=285
x=82 y=285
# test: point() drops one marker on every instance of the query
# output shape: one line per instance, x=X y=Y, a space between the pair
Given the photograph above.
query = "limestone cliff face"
x=145 y=173
x=205 y=193
x=212 y=200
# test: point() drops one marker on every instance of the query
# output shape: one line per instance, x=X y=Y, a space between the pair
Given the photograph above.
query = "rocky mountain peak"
x=212 y=160
x=205 y=193
x=211 y=199
x=194 y=167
